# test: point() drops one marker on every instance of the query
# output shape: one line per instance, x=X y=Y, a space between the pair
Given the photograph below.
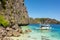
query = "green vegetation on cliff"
x=3 y=21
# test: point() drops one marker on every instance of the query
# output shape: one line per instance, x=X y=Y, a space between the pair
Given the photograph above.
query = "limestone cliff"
x=14 y=11
x=13 y=14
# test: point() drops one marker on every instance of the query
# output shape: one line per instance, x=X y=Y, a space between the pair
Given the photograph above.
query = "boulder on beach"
x=6 y=38
x=9 y=33
x=16 y=34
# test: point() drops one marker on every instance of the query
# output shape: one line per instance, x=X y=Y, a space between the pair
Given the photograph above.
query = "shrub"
x=3 y=21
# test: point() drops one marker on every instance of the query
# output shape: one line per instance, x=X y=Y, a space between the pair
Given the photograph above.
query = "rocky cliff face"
x=13 y=14
x=14 y=11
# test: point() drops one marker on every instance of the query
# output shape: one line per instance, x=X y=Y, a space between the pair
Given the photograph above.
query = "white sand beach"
x=23 y=37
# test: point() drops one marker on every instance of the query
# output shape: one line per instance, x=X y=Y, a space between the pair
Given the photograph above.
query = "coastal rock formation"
x=14 y=11
x=13 y=14
x=8 y=32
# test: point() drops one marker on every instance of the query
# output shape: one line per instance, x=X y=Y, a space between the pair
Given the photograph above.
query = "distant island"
x=43 y=20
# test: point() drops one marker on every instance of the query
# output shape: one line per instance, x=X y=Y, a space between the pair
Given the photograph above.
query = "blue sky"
x=43 y=8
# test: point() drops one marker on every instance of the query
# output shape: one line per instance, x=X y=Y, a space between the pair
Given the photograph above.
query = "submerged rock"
x=28 y=30
x=44 y=38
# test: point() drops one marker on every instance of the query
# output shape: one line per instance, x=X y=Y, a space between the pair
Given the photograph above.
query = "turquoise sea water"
x=37 y=34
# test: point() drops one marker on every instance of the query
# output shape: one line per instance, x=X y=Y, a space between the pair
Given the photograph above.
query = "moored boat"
x=45 y=26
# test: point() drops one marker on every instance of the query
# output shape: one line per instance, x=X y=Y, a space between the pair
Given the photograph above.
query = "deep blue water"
x=52 y=34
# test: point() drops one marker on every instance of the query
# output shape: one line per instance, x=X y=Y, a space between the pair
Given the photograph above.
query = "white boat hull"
x=45 y=28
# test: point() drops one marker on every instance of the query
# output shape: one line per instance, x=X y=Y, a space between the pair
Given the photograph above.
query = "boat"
x=45 y=26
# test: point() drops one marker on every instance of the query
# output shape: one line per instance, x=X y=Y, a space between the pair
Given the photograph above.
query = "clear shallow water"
x=37 y=34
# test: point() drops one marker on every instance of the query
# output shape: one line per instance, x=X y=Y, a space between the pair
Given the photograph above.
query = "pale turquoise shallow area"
x=37 y=34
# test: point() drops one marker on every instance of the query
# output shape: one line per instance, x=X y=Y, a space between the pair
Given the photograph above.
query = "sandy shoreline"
x=23 y=37
x=44 y=35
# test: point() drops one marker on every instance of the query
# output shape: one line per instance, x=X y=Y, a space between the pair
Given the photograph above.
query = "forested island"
x=43 y=20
